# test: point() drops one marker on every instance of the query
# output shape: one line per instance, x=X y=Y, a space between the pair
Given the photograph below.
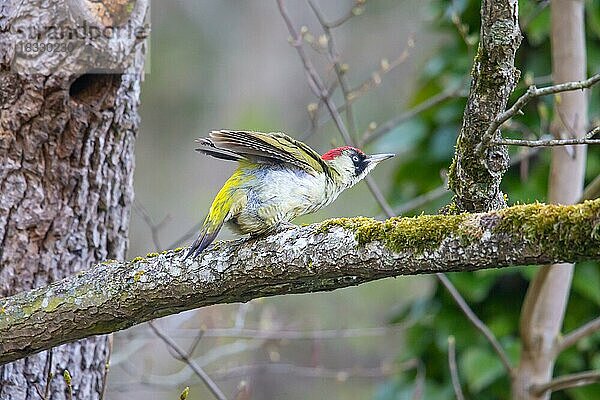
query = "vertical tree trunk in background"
x=546 y=300
x=66 y=176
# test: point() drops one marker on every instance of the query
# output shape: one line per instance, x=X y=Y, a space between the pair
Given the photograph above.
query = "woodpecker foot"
x=284 y=226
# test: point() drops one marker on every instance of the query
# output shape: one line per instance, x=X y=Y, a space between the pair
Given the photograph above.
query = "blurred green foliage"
x=495 y=295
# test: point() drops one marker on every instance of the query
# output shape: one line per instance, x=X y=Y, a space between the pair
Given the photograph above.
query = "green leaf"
x=587 y=281
x=585 y=392
x=481 y=368
x=539 y=27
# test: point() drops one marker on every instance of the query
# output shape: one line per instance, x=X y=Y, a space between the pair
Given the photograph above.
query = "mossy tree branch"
x=337 y=253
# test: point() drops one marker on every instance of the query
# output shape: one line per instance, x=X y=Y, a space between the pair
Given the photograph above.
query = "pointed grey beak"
x=377 y=158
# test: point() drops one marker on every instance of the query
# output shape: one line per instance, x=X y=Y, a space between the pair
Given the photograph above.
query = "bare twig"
x=421 y=107
x=552 y=142
x=340 y=72
x=453 y=368
x=592 y=191
x=210 y=384
x=567 y=381
x=470 y=314
x=463 y=30
x=354 y=11
x=574 y=336
x=545 y=143
x=193 y=231
x=532 y=93
x=154 y=227
x=356 y=92
x=422 y=200
x=385 y=66
x=39 y=391
x=49 y=374
x=479 y=325
x=196 y=342
x=539 y=7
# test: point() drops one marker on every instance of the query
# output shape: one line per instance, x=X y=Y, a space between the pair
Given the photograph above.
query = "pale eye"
x=355 y=158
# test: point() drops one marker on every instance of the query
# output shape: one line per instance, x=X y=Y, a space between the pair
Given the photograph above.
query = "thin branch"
x=154 y=228
x=566 y=382
x=195 y=343
x=479 y=325
x=592 y=191
x=385 y=67
x=545 y=143
x=354 y=11
x=314 y=80
x=50 y=374
x=340 y=73
x=419 y=108
x=39 y=391
x=551 y=142
x=193 y=231
x=356 y=92
x=532 y=93
x=454 y=369
x=210 y=384
x=574 y=336
x=422 y=200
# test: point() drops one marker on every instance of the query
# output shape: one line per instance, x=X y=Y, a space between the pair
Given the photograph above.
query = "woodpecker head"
x=352 y=164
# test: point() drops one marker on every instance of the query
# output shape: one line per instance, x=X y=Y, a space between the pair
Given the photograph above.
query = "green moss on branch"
x=565 y=230
x=405 y=233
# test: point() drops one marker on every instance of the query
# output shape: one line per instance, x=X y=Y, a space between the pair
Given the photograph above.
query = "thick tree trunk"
x=66 y=167
x=546 y=300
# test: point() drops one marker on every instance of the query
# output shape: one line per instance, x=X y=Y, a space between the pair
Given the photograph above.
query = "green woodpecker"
x=277 y=179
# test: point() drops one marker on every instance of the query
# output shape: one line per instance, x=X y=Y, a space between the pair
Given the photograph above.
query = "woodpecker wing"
x=206 y=146
x=274 y=147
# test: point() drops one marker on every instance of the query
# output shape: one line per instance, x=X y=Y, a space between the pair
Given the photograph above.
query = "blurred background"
x=229 y=65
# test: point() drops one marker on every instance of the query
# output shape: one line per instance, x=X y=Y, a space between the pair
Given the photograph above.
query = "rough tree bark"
x=66 y=167
x=544 y=307
x=477 y=168
x=115 y=295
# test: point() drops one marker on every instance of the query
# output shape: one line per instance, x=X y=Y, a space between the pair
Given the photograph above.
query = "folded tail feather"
x=207 y=235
